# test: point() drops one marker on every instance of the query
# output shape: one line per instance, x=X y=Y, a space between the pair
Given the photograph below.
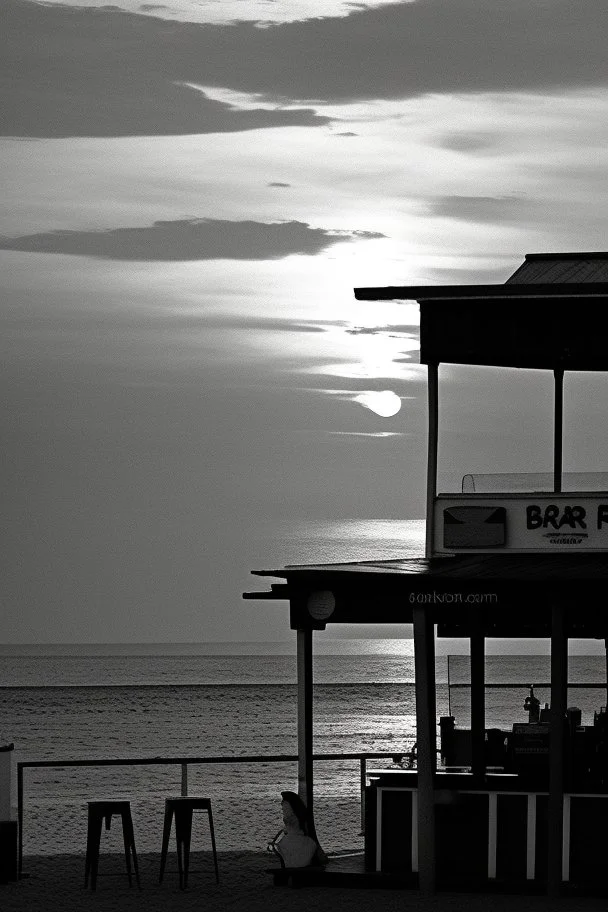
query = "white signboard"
x=478 y=523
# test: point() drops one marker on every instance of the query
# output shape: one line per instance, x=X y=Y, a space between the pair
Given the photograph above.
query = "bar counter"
x=490 y=828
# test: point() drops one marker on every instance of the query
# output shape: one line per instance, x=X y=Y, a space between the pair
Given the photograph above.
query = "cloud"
x=390 y=330
x=472 y=276
x=483 y=209
x=366 y=434
x=265 y=324
x=188 y=239
x=98 y=77
x=474 y=141
x=107 y=72
x=277 y=184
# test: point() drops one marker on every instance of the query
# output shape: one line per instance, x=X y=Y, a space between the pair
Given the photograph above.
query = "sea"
x=229 y=700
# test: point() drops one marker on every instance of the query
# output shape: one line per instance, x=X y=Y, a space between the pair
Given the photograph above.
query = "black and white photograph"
x=304 y=428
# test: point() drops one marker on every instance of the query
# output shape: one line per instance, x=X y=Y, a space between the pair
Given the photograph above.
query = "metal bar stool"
x=98 y=812
x=182 y=809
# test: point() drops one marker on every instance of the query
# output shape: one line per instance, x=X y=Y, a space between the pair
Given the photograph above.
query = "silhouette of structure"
x=519 y=809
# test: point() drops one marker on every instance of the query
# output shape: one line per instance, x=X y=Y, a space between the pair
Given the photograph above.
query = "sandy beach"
x=56 y=883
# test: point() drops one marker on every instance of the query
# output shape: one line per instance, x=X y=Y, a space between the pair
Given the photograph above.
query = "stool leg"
x=135 y=865
x=89 y=856
x=125 y=839
x=178 y=846
x=183 y=836
x=87 y=861
x=217 y=873
x=129 y=841
x=166 y=835
x=93 y=841
x=187 y=838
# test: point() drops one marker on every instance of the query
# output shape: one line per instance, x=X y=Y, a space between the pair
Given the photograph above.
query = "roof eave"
x=469 y=292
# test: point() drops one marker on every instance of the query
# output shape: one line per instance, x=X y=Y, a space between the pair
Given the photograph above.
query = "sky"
x=192 y=191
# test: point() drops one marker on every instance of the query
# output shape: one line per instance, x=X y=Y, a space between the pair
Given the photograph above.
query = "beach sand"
x=242 y=822
x=56 y=884
x=54 y=878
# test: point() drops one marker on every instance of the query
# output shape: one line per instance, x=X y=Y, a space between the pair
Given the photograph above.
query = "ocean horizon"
x=398 y=640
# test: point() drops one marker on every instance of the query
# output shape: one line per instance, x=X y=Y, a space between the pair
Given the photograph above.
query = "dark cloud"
x=278 y=184
x=188 y=239
x=98 y=76
x=263 y=324
x=475 y=141
x=91 y=72
x=391 y=330
x=346 y=133
x=484 y=209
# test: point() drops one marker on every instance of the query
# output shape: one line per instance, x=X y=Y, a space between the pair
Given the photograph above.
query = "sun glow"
x=385 y=403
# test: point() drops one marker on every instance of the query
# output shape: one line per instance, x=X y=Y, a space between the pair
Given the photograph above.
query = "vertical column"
x=431 y=470
x=424 y=657
x=478 y=702
x=558 y=424
x=305 y=716
x=7 y=760
x=531 y=838
x=559 y=691
x=492 y=834
x=10 y=850
x=566 y=840
x=606 y=666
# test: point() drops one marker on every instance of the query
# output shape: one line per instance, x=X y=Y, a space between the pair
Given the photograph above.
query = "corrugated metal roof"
x=550 y=268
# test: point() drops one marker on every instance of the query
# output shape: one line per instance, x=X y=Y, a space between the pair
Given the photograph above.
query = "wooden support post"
x=426 y=731
x=559 y=694
x=558 y=426
x=606 y=665
x=478 y=688
x=305 y=724
x=431 y=470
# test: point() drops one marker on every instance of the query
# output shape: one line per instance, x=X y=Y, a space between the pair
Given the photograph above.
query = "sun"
x=385 y=403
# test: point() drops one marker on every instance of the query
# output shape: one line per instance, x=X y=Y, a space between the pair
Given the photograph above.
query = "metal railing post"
x=184 y=780
x=362 y=784
x=20 y=817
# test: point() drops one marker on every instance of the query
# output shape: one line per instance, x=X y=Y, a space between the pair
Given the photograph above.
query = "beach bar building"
x=528 y=807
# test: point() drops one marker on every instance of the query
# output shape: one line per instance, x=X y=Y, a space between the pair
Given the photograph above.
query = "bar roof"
x=507 y=290
x=558 y=567
x=562 y=267
x=513 y=592
x=540 y=275
x=550 y=314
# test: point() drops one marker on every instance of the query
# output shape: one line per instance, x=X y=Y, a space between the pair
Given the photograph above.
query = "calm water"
x=60 y=707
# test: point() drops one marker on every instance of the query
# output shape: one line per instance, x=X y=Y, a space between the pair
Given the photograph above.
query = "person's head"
x=295 y=814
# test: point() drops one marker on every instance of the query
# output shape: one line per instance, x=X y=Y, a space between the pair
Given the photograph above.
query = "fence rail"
x=185 y=762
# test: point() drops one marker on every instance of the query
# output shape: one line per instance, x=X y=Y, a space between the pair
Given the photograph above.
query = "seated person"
x=295 y=847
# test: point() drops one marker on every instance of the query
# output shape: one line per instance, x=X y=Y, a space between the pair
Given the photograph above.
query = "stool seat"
x=98 y=812
x=182 y=809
